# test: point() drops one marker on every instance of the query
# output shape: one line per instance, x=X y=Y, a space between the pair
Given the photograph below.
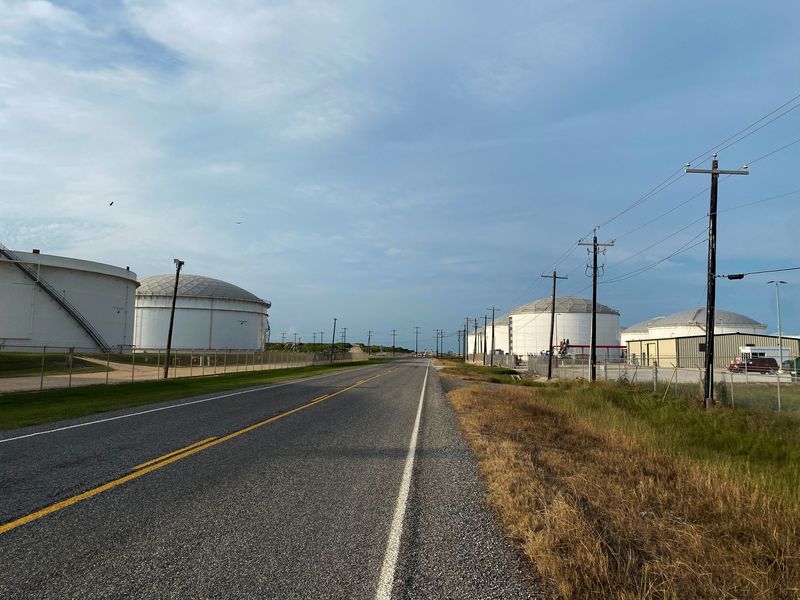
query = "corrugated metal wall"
x=685 y=351
x=726 y=348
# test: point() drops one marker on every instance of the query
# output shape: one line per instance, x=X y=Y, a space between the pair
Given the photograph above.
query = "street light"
x=178 y=265
x=778 y=283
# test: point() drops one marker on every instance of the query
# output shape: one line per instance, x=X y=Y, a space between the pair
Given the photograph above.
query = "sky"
x=402 y=164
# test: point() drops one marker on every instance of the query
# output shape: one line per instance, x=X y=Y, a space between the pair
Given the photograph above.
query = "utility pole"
x=333 y=341
x=711 y=296
x=315 y=341
x=369 y=344
x=593 y=348
x=283 y=339
x=465 y=347
x=493 y=308
x=344 y=338
x=295 y=340
x=394 y=337
x=178 y=266
x=416 y=341
x=475 y=340
x=485 y=327
x=552 y=324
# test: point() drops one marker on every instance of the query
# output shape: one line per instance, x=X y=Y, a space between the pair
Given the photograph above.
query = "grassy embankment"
x=20 y=364
x=34 y=408
x=614 y=493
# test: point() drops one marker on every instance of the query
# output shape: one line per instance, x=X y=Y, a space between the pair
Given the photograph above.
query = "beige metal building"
x=689 y=351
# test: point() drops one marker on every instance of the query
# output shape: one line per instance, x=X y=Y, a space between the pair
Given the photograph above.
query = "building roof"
x=196 y=286
x=564 y=304
x=696 y=316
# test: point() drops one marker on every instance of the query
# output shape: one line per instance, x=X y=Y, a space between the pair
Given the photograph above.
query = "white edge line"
x=386 y=580
x=179 y=405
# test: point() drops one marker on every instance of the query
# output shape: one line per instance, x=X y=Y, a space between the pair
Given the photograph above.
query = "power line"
x=741 y=275
x=726 y=143
x=685 y=247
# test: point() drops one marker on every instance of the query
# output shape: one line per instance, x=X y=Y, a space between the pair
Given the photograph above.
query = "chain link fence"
x=763 y=386
x=24 y=368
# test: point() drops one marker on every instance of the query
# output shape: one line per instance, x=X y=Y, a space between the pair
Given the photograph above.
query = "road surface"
x=355 y=484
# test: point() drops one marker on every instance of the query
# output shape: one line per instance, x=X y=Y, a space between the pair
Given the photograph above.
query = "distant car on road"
x=754 y=365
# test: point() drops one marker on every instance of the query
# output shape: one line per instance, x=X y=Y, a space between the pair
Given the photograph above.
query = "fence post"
x=108 y=365
x=778 y=379
x=191 y=363
x=225 y=362
x=133 y=362
x=71 y=351
x=655 y=377
x=41 y=375
x=203 y=364
x=732 y=402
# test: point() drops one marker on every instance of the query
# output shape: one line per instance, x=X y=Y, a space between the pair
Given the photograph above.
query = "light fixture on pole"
x=178 y=266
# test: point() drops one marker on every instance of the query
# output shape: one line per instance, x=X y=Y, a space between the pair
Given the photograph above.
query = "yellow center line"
x=173 y=453
x=168 y=459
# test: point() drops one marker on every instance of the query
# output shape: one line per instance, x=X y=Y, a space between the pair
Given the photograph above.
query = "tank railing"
x=53 y=293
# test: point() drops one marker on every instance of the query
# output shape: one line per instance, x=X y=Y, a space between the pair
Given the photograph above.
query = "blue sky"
x=407 y=163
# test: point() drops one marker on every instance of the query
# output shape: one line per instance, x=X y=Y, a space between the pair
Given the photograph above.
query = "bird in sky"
x=238 y=222
x=111 y=203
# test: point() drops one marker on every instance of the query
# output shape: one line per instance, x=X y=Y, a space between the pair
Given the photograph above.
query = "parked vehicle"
x=754 y=365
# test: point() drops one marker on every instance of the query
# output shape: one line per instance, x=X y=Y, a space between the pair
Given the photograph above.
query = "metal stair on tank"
x=71 y=310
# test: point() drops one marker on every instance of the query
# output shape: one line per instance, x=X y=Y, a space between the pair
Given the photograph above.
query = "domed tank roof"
x=196 y=286
x=564 y=304
x=696 y=316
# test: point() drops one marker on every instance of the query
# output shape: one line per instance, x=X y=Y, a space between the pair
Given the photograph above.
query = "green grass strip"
x=21 y=409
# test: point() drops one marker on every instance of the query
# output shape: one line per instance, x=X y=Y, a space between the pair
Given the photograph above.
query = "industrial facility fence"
x=739 y=387
x=25 y=368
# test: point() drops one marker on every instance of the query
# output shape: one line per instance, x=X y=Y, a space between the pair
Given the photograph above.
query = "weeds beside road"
x=614 y=493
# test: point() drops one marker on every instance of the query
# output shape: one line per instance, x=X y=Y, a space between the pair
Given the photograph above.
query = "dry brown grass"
x=601 y=517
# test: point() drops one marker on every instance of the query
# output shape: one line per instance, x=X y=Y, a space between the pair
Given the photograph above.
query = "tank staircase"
x=59 y=299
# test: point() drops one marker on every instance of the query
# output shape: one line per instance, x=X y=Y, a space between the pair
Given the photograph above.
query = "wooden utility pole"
x=493 y=309
x=552 y=324
x=593 y=348
x=475 y=340
x=333 y=341
x=416 y=341
x=369 y=343
x=708 y=384
x=394 y=336
x=485 y=327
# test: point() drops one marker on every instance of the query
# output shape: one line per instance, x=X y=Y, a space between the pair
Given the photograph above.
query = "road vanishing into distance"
x=353 y=484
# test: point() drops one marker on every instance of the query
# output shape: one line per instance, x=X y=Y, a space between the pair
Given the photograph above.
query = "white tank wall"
x=200 y=323
x=103 y=294
x=531 y=331
x=500 y=339
x=688 y=330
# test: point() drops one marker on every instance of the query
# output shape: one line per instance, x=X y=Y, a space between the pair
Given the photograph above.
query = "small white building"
x=62 y=302
x=209 y=314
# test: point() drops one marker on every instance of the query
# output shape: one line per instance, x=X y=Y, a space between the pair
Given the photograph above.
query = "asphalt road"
x=301 y=490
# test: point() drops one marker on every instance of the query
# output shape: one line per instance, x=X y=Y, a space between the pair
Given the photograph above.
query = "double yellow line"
x=167 y=459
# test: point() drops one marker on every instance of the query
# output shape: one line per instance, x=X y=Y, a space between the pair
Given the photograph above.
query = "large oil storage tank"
x=62 y=302
x=209 y=314
x=530 y=327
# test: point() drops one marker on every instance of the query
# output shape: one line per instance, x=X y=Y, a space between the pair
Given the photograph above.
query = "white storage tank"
x=692 y=322
x=530 y=327
x=62 y=302
x=209 y=314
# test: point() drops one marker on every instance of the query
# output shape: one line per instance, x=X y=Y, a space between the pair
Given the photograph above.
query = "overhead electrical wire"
x=726 y=143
